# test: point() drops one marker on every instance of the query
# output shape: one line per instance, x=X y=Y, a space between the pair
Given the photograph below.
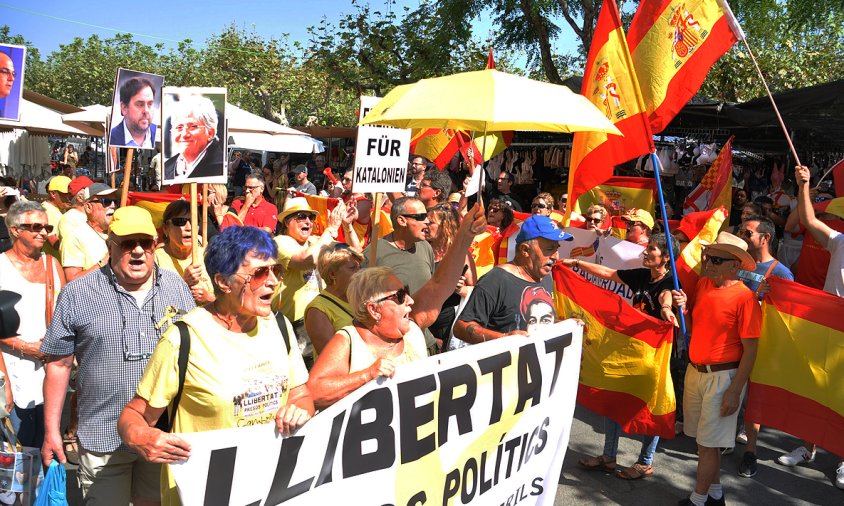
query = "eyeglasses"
x=190 y=127
x=717 y=260
x=258 y=277
x=250 y=188
x=538 y=205
x=132 y=244
x=104 y=201
x=425 y=184
x=6 y=72
x=35 y=228
x=417 y=216
x=179 y=222
x=398 y=297
x=302 y=216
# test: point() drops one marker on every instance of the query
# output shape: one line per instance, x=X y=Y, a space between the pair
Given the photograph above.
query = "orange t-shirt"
x=721 y=318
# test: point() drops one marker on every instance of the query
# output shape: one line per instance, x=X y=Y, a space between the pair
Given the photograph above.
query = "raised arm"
x=819 y=230
x=602 y=271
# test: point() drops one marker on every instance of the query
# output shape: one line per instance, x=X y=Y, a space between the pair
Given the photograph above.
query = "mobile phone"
x=465 y=268
x=10 y=191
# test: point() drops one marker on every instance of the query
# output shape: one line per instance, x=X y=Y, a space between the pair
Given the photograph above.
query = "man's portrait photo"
x=194 y=135
x=12 y=59
x=135 y=110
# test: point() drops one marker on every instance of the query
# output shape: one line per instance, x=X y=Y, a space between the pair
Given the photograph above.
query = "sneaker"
x=798 y=456
x=747 y=466
x=728 y=450
x=839 y=476
x=710 y=501
x=741 y=437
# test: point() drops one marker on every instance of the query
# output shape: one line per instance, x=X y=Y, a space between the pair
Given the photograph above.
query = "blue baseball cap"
x=541 y=226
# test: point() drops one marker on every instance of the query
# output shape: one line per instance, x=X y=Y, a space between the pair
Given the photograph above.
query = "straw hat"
x=733 y=246
x=295 y=205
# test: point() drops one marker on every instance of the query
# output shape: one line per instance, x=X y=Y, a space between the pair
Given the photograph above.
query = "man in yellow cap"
x=55 y=206
x=110 y=320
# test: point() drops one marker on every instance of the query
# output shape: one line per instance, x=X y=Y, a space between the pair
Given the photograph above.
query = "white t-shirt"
x=835 y=273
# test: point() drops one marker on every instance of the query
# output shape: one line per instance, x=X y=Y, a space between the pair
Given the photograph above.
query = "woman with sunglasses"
x=330 y=311
x=542 y=204
x=37 y=278
x=651 y=286
x=382 y=336
x=499 y=215
x=236 y=351
x=441 y=234
x=177 y=252
x=298 y=248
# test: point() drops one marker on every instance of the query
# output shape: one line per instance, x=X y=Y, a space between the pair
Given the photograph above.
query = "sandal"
x=635 y=472
x=70 y=446
x=601 y=463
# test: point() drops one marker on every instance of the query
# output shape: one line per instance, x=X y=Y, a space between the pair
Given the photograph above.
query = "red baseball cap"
x=79 y=184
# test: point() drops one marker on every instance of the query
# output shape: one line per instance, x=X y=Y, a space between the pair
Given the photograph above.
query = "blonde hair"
x=597 y=208
x=332 y=257
x=365 y=286
x=221 y=190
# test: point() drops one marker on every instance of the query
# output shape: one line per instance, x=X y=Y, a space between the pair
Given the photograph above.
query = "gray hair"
x=15 y=215
x=256 y=175
x=400 y=207
x=367 y=285
x=202 y=108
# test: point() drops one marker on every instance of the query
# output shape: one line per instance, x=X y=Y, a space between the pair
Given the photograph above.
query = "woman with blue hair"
x=237 y=354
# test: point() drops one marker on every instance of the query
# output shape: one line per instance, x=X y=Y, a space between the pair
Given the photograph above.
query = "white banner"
x=381 y=155
x=485 y=424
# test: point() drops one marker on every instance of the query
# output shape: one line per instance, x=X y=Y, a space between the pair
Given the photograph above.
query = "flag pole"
x=656 y=165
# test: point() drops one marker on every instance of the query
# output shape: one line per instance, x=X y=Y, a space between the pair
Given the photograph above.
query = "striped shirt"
x=112 y=338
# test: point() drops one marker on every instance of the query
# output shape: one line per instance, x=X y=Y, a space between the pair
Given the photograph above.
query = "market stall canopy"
x=814 y=114
x=89 y=114
x=240 y=120
x=43 y=120
x=488 y=100
x=279 y=143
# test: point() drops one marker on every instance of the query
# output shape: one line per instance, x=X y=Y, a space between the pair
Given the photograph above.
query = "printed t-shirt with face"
x=299 y=287
x=645 y=293
x=232 y=379
x=504 y=303
x=83 y=248
x=721 y=318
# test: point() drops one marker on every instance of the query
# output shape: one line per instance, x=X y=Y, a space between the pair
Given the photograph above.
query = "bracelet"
x=664 y=306
x=577 y=263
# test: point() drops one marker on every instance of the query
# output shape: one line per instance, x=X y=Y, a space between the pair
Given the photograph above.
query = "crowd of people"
x=282 y=317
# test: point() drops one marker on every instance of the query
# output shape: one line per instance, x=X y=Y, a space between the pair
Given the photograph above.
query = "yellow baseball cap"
x=59 y=184
x=132 y=220
x=640 y=215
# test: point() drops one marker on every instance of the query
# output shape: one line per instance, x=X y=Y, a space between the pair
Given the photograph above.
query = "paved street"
x=674 y=466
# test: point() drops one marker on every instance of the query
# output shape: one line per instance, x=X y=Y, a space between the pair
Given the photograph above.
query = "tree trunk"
x=537 y=24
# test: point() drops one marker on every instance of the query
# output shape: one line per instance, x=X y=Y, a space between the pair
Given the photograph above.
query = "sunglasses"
x=399 y=297
x=302 y=216
x=179 y=222
x=594 y=220
x=259 y=276
x=417 y=216
x=717 y=260
x=747 y=234
x=494 y=209
x=35 y=227
x=105 y=201
x=538 y=206
x=132 y=244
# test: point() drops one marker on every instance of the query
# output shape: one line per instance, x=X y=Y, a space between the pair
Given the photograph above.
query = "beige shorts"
x=117 y=478
x=702 y=396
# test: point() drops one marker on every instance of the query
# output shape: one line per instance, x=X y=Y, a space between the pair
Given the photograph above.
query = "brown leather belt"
x=726 y=366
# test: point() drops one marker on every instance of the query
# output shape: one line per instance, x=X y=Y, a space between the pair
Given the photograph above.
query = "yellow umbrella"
x=488 y=101
x=440 y=146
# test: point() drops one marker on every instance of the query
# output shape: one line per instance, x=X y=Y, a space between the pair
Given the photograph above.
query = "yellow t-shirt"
x=54 y=216
x=83 y=247
x=70 y=220
x=178 y=265
x=338 y=312
x=298 y=287
x=232 y=379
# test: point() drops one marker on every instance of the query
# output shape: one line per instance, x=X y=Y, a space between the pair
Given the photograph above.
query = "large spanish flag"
x=796 y=382
x=674 y=43
x=610 y=83
x=440 y=146
x=716 y=188
x=624 y=372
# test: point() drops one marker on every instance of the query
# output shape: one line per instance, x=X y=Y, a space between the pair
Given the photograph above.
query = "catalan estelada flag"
x=624 y=372
x=610 y=83
x=715 y=189
x=796 y=381
x=674 y=43
x=701 y=227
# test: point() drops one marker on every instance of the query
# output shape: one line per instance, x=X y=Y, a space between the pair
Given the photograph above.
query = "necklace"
x=227 y=321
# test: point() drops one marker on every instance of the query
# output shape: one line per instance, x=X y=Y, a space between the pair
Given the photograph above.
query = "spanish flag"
x=156 y=203
x=701 y=227
x=624 y=371
x=324 y=205
x=796 y=382
x=715 y=189
x=834 y=206
x=503 y=244
x=610 y=83
x=482 y=250
x=674 y=43
x=618 y=194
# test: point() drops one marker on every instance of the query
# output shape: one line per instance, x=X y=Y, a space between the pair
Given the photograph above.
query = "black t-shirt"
x=646 y=293
x=503 y=302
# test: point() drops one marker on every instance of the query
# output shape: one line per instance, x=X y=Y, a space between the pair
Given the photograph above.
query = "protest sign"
x=135 y=109
x=485 y=424
x=12 y=61
x=194 y=136
x=381 y=155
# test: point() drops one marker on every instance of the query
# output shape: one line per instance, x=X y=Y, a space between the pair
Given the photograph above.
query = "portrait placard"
x=135 y=109
x=12 y=61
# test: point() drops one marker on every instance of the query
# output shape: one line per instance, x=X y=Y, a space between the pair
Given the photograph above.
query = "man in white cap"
x=85 y=248
x=725 y=327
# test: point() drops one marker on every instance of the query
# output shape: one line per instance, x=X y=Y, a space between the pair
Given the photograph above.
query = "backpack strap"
x=767 y=273
x=184 y=351
x=282 y=326
x=336 y=304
